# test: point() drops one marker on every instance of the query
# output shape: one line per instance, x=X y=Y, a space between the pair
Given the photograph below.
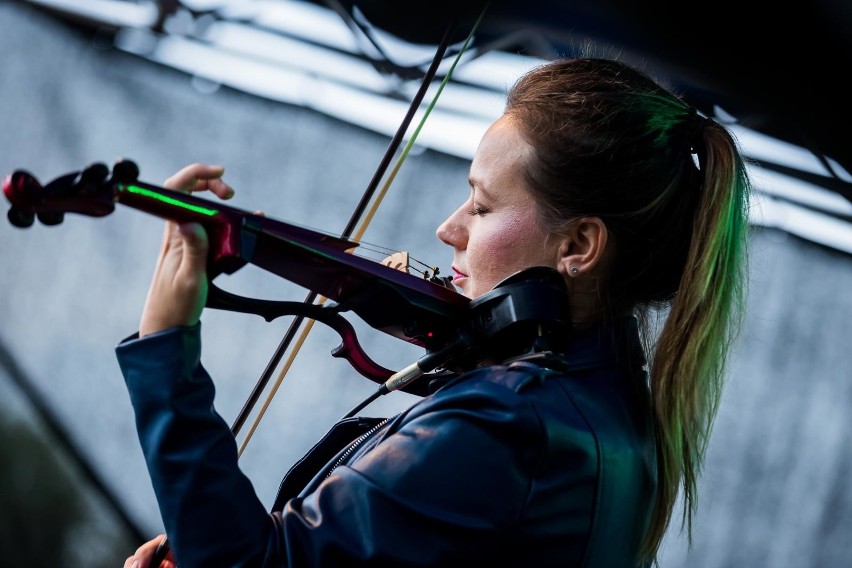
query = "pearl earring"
x=575 y=271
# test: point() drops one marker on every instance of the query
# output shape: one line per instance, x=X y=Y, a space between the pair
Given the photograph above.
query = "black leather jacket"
x=527 y=464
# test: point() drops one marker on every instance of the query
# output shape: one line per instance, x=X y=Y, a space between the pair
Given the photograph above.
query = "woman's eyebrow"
x=477 y=186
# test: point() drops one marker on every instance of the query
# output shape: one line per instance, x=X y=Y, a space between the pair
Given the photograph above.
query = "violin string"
x=374 y=251
x=359 y=233
x=380 y=253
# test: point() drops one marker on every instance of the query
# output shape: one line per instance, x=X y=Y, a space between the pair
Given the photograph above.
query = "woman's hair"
x=672 y=189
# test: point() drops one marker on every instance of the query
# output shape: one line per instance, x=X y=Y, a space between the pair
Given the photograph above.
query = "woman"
x=594 y=170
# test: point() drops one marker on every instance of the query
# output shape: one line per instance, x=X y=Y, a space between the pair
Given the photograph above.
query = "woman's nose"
x=452 y=231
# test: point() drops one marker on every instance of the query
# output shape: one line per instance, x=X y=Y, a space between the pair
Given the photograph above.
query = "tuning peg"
x=50 y=217
x=20 y=218
x=93 y=175
x=125 y=171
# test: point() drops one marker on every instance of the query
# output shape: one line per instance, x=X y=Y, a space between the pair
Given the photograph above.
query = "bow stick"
x=350 y=232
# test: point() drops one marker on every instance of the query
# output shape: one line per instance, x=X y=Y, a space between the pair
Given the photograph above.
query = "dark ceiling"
x=778 y=70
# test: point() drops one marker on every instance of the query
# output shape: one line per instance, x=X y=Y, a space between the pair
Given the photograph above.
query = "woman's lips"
x=458 y=274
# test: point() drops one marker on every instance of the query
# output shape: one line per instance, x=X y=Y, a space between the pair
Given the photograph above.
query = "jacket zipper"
x=357 y=442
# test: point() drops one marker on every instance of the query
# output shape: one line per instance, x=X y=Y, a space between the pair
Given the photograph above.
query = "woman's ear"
x=583 y=247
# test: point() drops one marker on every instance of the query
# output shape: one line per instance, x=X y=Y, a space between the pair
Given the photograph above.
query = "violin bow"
x=360 y=219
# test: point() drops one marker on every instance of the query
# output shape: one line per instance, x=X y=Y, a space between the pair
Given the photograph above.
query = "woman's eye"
x=477 y=210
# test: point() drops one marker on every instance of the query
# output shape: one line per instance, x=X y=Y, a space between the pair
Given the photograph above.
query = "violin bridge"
x=398 y=261
x=402 y=261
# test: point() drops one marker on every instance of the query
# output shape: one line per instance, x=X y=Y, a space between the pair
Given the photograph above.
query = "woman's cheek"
x=491 y=257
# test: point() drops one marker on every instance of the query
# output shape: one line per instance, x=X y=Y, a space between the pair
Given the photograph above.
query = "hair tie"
x=694 y=127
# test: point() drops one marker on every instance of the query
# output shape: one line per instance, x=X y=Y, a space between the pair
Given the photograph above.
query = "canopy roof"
x=781 y=71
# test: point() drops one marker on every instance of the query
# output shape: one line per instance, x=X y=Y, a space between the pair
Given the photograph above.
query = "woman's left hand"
x=178 y=290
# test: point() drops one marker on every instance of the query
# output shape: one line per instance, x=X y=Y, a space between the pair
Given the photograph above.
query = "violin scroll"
x=88 y=192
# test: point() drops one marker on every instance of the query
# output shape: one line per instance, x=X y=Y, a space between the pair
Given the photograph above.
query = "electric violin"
x=455 y=332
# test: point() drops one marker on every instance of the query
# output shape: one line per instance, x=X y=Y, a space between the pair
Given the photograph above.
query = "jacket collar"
x=615 y=344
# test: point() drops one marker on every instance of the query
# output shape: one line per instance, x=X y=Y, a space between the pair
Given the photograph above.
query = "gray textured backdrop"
x=776 y=488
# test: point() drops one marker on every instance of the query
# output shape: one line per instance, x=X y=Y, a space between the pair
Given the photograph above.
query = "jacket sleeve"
x=210 y=511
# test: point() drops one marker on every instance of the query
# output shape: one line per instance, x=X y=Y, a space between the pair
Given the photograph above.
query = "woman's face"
x=498 y=230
